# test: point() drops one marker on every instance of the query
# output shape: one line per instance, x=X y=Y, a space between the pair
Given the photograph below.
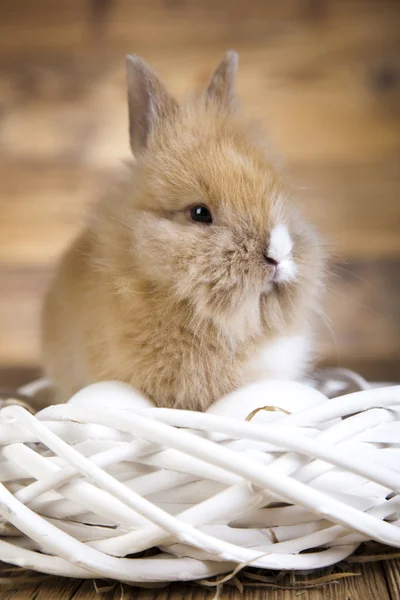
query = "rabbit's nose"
x=273 y=266
x=270 y=261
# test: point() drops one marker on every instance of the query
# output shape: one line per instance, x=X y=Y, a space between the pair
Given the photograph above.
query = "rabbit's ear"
x=222 y=84
x=148 y=101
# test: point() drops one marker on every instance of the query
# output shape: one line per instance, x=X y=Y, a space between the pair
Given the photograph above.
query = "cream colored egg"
x=110 y=394
x=287 y=395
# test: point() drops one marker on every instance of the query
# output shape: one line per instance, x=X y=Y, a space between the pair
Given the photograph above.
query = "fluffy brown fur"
x=176 y=308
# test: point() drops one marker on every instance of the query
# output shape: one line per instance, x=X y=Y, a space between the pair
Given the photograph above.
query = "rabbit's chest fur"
x=183 y=366
x=169 y=362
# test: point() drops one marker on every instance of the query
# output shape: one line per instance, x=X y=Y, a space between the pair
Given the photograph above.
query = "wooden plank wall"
x=324 y=74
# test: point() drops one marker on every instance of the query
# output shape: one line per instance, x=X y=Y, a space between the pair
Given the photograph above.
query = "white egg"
x=287 y=395
x=110 y=394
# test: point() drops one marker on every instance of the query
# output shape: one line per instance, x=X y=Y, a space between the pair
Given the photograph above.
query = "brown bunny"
x=197 y=274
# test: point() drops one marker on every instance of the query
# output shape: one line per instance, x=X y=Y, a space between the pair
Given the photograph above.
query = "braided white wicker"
x=297 y=486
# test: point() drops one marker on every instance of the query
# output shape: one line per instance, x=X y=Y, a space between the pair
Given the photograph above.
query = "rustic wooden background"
x=325 y=74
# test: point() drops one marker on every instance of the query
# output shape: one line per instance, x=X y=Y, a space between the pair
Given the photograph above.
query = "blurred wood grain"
x=326 y=80
x=324 y=75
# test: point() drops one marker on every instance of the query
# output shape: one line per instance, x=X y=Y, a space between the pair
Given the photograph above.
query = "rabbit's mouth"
x=279 y=264
x=286 y=271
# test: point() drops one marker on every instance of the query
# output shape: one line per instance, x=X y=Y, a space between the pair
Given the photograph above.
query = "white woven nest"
x=107 y=475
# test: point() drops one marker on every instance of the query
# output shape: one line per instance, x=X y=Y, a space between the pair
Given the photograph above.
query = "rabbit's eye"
x=201 y=214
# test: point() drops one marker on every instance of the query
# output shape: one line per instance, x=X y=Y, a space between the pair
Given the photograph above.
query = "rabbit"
x=196 y=274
